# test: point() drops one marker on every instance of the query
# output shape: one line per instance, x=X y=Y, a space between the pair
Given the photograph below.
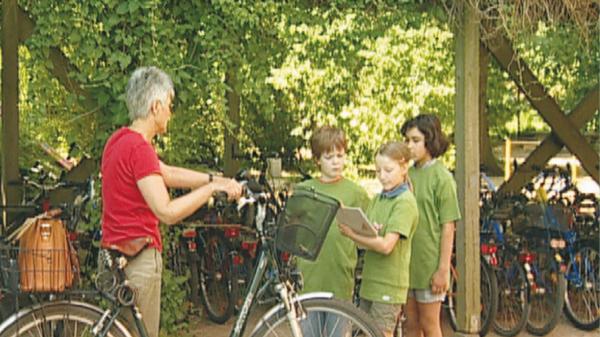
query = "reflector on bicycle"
x=304 y=222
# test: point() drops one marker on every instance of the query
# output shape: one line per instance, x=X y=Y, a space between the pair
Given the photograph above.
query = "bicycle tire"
x=488 y=298
x=194 y=281
x=513 y=298
x=215 y=279
x=545 y=307
x=360 y=324
x=67 y=319
x=582 y=298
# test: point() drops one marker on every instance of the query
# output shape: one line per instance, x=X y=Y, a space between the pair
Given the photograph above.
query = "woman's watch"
x=211 y=177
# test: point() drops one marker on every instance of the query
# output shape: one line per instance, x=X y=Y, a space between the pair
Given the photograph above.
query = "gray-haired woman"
x=135 y=182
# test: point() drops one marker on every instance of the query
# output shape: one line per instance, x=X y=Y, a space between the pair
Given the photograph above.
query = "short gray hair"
x=146 y=85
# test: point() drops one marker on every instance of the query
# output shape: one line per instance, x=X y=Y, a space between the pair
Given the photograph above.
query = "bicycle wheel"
x=243 y=272
x=513 y=303
x=547 y=295
x=488 y=297
x=194 y=281
x=582 y=298
x=215 y=279
x=65 y=319
x=343 y=319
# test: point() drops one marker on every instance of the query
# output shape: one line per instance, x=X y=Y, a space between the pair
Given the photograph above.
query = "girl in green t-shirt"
x=435 y=191
x=333 y=270
x=385 y=278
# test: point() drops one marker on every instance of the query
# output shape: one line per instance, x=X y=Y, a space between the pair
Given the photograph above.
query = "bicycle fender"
x=308 y=296
x=16 y=316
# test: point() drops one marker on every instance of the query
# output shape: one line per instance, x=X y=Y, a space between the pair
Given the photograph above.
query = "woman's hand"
x=229 y=186
x=439 y=282
x=346 y=231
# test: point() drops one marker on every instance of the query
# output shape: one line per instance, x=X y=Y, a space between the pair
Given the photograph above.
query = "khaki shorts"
x=385 y=315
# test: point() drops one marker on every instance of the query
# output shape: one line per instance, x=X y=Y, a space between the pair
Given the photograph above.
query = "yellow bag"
x=47 y=262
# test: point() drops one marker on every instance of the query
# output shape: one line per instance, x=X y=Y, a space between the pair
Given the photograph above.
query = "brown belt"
x=129 y=248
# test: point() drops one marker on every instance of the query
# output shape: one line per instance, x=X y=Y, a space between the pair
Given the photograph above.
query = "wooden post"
x=467 y=171
x=11 y=192
x=231 y=164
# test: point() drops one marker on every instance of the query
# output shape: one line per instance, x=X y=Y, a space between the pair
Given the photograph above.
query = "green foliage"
x=174 y=301
x=366 y=73
x=364 y=65
x=567 y=69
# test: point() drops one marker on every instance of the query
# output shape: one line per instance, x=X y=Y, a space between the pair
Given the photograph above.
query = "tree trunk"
x=232 y=164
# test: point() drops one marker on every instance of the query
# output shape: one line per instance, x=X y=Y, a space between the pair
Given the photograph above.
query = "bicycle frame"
x=285 y=290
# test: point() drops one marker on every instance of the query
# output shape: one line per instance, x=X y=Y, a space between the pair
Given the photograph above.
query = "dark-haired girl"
x=435 y=191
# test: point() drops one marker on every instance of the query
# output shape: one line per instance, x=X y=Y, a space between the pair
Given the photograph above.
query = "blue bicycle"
x=582 y=298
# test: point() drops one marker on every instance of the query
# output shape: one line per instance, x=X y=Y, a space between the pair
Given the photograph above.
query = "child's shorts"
x=425 y=296
x=384 y=315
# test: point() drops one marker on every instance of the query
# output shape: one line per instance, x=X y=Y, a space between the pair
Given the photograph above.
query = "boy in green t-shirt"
x=435 y=191
x=385 y=279
x=333 y=270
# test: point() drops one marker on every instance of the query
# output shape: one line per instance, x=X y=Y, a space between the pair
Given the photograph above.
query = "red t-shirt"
x=127 y=158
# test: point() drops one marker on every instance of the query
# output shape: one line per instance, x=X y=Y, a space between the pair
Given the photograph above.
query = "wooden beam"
x=11 y=192
x=26 y=25
x=551 y=145
x=489 y=163
x=540 y=99
x=61 y=66
x=467 y=171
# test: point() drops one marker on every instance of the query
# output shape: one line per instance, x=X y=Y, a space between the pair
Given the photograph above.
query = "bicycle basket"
x=304 y=222
x=543 y=219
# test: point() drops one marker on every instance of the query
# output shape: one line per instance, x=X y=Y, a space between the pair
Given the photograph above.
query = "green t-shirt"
x=385 y=278
x=435 y=190
x=333 y=270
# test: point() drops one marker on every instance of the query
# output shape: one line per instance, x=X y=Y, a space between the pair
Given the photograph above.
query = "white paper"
x=354 y=218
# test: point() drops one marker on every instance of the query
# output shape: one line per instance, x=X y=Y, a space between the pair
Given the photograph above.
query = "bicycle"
x=488 y=291
x=541 y=247
x=502 y=249
x=227 y=244
x=297 y=229
x=569 y=217
x=582 y=296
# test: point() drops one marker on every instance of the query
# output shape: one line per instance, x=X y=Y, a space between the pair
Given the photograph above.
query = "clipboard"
x=356 y=219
